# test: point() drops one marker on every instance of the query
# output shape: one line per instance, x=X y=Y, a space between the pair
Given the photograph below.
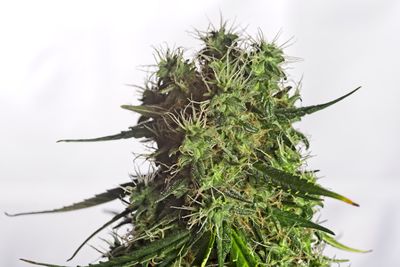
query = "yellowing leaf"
x=297 y=184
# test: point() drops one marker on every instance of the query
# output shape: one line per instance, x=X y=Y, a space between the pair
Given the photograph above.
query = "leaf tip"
x=330 y=232
x=29 y=261
x=351 y=202
x=347 y=200
x=73 y=255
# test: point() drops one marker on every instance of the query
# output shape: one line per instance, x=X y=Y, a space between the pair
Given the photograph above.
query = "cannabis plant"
x=230 y=185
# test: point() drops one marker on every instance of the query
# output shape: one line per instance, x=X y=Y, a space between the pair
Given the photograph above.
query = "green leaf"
x=292 y=113
x=260 y=237
x=171 y=253
x=99 y=199
x=137 y=131
x=302 y=137
x=223 y=238
x=178 y=188
x=335 y=260
x=236 y=195
x=153 y=249
x=209 y=249
x=114 y=219
x=294 y=219
x=41 y=263
x=143 y=119
x=282 y=92
x=334 y=243
x=248 y=127
x=297 y=184
x=147 y=110
x=241 y=254
x=226 y=240
x=183 y=248
x=313 y=198
x=200 y=247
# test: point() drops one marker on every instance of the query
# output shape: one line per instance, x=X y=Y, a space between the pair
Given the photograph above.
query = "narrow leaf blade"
x=114 y=219
x=334 y=243
x=41 y=263
x=303 y=138
x=209 y=249
x=297 y=184
x=200 y=246
x=137 y=131
x=227 y=240
x=291 y=113
x=153 y=249
x=223 y=238
x=146 y=110
x=99 y=199
x=241 y=252
x=294 y=219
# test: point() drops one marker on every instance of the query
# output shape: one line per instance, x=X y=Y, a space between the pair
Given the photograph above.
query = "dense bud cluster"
x=230 y=186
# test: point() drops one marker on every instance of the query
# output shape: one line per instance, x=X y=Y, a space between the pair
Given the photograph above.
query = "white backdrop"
x=63 y=70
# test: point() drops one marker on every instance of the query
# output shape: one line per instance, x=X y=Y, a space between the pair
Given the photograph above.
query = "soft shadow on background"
x=64 y=66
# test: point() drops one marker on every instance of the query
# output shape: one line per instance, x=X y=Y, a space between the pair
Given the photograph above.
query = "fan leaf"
x=137 y=131
x=41 y=263
x=153 y=249
x=292 y=113
x=241 y=255
x=208 y=249
x=297 y=184
x=294 y=219
x=114 y=219
x=99 y=199
x=334 y=243
x=146 y=110
x=226 y=243
x=223 y=238
x=237 y=196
